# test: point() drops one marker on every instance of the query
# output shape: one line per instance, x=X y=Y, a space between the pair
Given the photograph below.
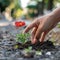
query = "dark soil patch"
x=38 y=46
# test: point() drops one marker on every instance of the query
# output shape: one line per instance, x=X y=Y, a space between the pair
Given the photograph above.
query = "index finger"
x=29 y=27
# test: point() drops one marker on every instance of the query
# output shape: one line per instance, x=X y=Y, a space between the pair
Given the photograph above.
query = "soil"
x=12 y=50
x=47 y=45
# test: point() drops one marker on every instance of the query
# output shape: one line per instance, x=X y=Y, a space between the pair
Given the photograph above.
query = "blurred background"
x=26 y=9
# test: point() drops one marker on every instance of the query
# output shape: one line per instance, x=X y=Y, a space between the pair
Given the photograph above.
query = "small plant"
x=38 y=53
x=28 y=52
x=58 y=25
x=22 y=38
x=29 y=49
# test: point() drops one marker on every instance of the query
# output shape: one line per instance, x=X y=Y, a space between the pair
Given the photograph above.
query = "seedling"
x=38 y=53
x=29 y=49
x=29 y=53
x=58 y=25
x=22 y=38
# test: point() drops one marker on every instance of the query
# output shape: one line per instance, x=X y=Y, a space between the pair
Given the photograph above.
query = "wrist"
x=56 y=14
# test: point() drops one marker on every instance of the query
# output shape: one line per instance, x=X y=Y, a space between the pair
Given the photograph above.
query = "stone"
x=48 y=53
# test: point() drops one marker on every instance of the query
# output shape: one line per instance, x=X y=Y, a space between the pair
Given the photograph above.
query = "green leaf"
x=38 y=53
x=29 y=49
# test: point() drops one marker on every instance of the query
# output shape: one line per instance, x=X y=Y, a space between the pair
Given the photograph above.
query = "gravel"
x=8 y=51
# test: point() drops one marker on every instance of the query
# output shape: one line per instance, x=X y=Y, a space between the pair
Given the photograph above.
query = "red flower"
x=19 y=24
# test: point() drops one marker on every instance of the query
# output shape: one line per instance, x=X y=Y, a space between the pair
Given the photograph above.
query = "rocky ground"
x=9 y=48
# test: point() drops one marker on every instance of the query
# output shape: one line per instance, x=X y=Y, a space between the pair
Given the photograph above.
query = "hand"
x=40 y=27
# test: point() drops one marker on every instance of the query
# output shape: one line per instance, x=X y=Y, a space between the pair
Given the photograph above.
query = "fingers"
x=38 y=32
x=29 y=27
x=33 y=34
x=43 y=36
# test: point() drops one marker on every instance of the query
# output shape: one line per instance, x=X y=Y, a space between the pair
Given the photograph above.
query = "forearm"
x=56 y=14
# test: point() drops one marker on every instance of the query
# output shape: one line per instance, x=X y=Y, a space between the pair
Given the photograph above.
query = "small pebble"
x=48 y=53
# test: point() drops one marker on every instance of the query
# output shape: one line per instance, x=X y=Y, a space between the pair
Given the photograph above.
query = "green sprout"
x=22 y=38
x=29 y=49
x=58 y=25
x=38 y=53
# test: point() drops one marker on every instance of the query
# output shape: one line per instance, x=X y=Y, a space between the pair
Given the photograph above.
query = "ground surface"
x=9 y=50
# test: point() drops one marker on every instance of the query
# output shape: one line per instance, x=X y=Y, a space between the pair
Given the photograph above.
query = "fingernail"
x=33 y=41
x=41 y=41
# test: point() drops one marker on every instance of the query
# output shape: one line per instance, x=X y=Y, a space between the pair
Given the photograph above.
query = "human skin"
x=42 y=25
